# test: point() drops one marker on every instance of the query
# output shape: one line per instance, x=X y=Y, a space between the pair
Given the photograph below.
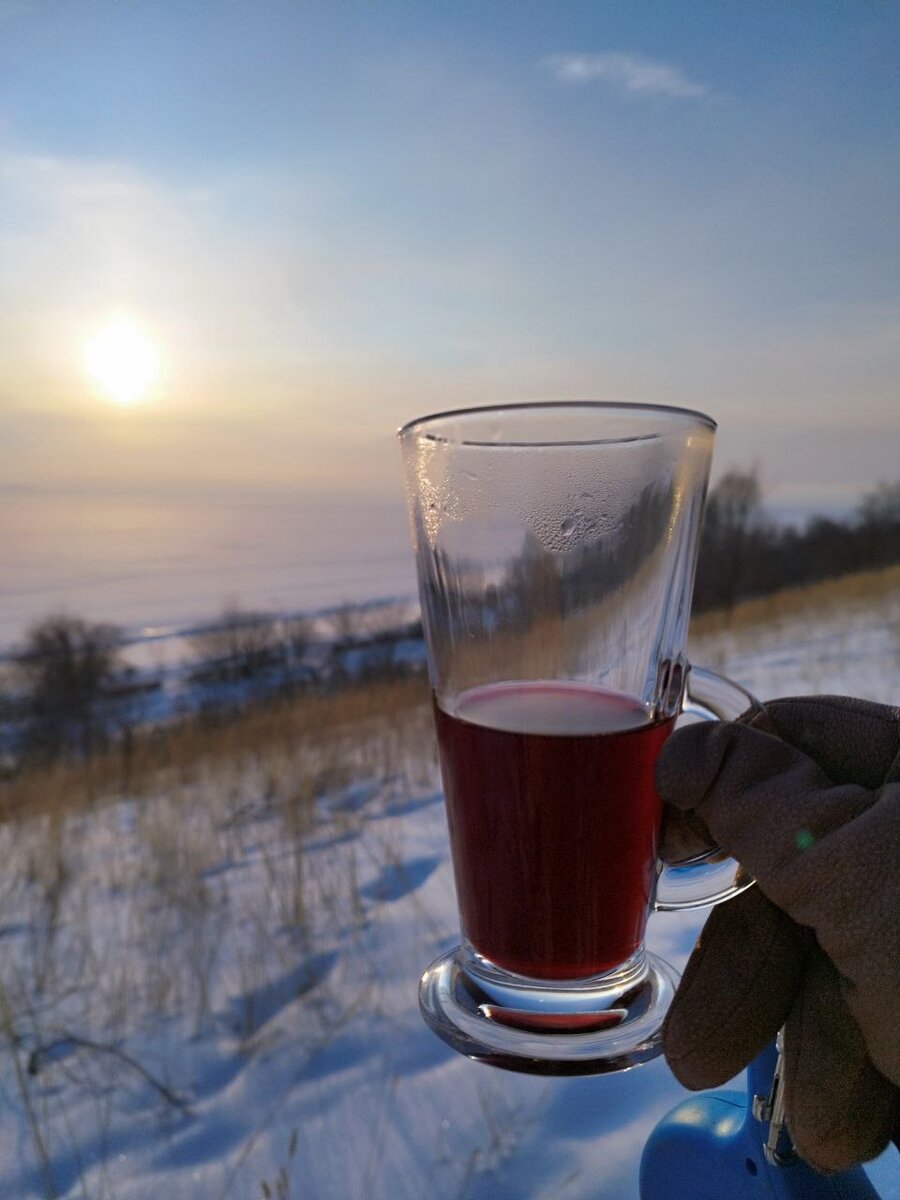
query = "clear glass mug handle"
x=712 y=877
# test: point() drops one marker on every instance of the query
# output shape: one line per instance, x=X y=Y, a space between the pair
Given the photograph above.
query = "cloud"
x=632 y=74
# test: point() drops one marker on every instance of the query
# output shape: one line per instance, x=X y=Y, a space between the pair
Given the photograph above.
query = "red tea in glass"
x=553 y=821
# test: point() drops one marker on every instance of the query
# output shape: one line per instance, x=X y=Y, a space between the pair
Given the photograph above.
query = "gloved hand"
x=806 y=795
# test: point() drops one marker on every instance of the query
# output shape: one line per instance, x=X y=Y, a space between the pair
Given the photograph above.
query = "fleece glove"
x=806 y=795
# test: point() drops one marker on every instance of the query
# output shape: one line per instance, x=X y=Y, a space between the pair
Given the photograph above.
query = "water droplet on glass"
x=567 y=528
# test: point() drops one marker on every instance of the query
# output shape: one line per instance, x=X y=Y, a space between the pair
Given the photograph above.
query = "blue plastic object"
x=711 y=1148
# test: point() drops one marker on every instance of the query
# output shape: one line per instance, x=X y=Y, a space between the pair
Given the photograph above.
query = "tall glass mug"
x=555 y=548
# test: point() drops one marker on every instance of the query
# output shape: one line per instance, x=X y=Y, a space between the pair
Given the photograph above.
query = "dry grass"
x=265 y=733
x=846 y=592
x=177 y=753
x=194 y=881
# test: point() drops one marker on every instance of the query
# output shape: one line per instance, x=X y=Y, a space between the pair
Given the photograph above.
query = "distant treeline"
x=68 y=690
x=744 y=553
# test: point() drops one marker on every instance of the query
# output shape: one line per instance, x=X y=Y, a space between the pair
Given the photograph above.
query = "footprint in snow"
x=398 y=880
x=248 y=1013
x=409 y=805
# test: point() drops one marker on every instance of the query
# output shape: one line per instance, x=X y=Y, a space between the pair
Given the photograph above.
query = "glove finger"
x=766 y=803
x=736 y=992
x=851 y=740
x=782 y=792
x=840 y=1111
x=684 y=836
x=826 y=854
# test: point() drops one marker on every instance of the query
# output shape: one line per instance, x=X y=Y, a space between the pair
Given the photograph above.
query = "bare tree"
x=878 y=516
x=65 y=666
x=239 y=645
x=881 y=506
x=295 y=635
x=734 y=502
x=347 y=623
x=733 y=516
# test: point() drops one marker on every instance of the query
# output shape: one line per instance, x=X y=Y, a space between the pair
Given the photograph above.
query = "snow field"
x=209 y=990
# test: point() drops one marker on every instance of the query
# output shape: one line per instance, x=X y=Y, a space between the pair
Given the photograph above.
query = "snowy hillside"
x=208 y=990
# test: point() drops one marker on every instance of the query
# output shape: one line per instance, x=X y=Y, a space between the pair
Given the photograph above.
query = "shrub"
x=66 y=667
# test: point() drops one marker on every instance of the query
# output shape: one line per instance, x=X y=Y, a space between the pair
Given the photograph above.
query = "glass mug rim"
x=671 y=414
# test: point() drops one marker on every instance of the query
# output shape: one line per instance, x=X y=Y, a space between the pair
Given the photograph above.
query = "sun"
x=123 y=361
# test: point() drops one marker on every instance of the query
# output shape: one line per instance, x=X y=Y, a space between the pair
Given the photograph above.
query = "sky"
x=327 y=218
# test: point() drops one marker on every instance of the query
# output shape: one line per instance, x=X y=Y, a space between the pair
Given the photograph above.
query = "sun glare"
x=122 y=360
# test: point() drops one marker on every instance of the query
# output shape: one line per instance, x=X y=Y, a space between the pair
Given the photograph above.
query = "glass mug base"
x=607 y=1023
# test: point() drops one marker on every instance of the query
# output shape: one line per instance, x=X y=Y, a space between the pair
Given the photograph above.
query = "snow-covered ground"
x=210 y=991
x=847 y=648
